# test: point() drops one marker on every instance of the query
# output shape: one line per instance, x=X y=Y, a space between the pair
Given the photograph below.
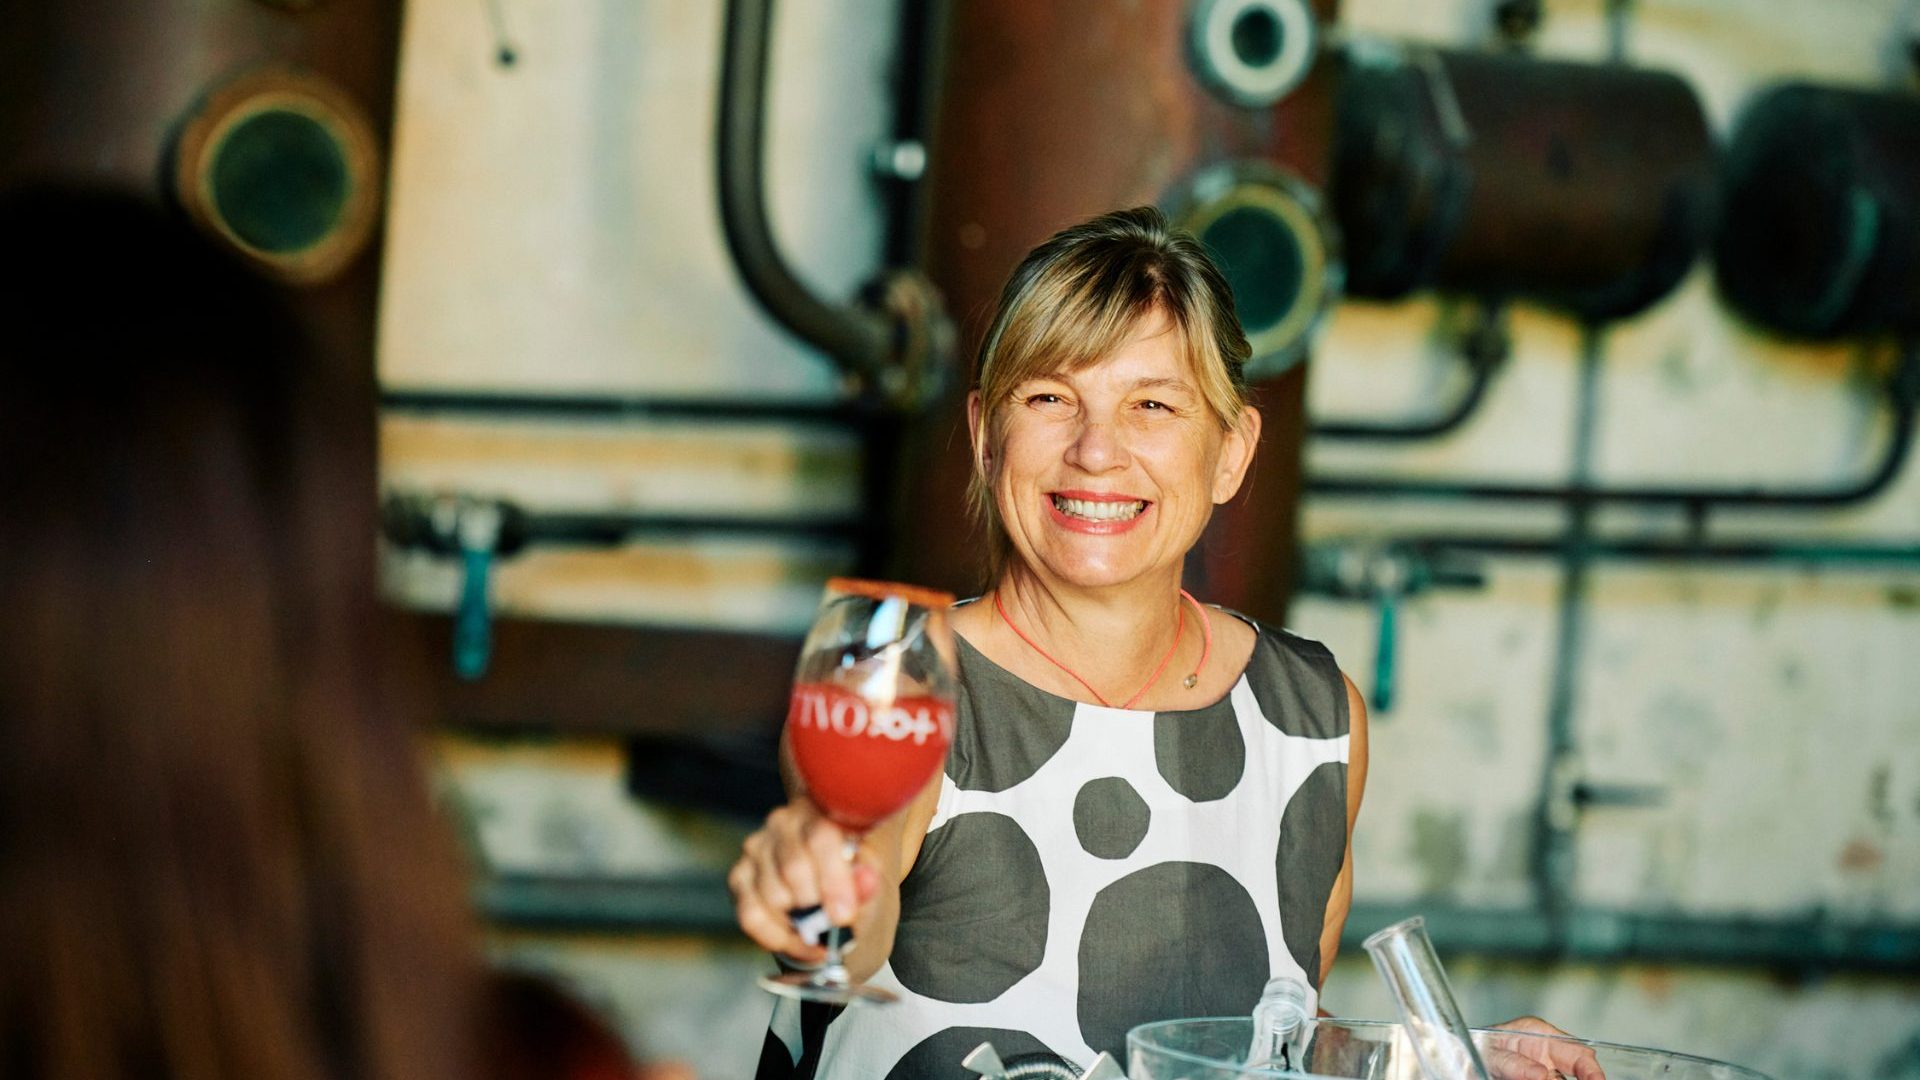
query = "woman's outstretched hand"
x=1523 y=1055
x=798 y=860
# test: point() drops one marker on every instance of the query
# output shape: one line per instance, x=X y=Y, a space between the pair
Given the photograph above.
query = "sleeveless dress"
x=1089 y=869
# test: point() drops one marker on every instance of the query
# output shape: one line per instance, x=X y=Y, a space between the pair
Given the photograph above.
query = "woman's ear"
x=982 y=458
x=1236 y=455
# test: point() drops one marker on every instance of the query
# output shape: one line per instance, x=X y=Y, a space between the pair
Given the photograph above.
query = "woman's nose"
x=1099 y=447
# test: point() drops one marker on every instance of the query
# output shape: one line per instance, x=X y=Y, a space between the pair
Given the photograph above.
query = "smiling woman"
x=1084 y=867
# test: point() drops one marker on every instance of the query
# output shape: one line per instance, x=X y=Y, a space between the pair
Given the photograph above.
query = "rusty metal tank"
x=1585 y=187
x=1821 y=232
x=266 y=122
x=1220 y=112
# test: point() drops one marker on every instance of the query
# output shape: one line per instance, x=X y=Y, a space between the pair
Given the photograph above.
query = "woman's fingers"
x=763 y=872
x=789 y=859
x=1565 y=1055
x=826 y=855
x=768 y=925
x=1508 y=1065
x=797 y=860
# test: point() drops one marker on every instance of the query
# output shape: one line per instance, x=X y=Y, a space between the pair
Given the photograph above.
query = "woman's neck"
x=1111 y=638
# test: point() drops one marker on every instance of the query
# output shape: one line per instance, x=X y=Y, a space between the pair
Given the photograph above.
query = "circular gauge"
x=1252 y=52
x=1277 y=246
x=285 y=167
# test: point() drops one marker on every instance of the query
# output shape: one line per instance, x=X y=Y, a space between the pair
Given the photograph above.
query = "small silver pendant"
x=1191 y=680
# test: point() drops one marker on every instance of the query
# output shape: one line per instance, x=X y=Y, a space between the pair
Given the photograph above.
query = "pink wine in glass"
x=868 y=728
x=865 y=759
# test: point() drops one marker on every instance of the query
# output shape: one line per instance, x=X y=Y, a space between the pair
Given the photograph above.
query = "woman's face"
x=1108 y=475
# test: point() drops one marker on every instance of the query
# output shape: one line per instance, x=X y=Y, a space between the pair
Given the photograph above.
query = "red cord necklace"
x=1206 y=650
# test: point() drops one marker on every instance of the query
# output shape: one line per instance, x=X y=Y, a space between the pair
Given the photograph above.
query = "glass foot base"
x=822 y=987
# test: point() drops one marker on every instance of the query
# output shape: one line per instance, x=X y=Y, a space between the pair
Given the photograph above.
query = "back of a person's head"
x=216 y=856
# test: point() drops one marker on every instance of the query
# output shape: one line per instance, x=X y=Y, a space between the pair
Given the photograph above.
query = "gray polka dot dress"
x=1089 y=869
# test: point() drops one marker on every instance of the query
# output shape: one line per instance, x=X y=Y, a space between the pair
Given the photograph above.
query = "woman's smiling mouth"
x=1095 y=512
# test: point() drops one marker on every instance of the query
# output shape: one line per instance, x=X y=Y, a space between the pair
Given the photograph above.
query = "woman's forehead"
x=1159 y=357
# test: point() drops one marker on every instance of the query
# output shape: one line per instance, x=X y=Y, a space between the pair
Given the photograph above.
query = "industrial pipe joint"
x=895 y=342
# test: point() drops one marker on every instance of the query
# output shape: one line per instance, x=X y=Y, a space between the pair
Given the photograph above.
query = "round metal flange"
x=285 y=167
x=1278 y=246
x=1252 y=52
x=921 y=364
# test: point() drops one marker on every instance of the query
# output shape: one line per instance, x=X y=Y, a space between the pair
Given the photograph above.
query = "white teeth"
x=1099 y=511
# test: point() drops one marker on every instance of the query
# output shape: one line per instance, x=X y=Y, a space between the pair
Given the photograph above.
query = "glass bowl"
x=1216 y=1049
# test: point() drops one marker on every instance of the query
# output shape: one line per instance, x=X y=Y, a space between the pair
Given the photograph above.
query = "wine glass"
x=868 y=725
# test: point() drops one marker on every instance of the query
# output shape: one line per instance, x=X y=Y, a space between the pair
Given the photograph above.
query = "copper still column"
x=1052 y=113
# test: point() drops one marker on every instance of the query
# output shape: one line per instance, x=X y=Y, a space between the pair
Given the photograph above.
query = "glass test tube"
x=1403 y=954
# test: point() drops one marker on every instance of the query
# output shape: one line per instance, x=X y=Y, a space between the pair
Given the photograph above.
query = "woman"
x=1147 y=808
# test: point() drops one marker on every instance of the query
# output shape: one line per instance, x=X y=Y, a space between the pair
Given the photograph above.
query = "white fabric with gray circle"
x=1089 y=869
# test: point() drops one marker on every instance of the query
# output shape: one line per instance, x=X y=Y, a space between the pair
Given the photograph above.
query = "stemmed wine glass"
x=868 y=725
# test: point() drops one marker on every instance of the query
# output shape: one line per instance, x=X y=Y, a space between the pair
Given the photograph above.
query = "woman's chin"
x=1096 y=573
x=1085 y=561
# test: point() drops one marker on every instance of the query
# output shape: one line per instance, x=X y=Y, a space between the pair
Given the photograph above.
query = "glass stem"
x=835 y=968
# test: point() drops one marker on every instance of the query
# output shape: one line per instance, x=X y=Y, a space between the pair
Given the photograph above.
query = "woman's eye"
x=1043 y=399
x=1156 y=406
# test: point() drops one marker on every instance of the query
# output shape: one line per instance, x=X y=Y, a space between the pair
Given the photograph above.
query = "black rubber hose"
x=1901 y=400
x=861 y=342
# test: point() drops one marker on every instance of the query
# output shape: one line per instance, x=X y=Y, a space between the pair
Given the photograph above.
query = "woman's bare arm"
x=1340 y=902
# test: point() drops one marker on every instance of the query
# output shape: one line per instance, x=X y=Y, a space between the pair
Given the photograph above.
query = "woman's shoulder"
x=1295 y=679
x=1005 y=728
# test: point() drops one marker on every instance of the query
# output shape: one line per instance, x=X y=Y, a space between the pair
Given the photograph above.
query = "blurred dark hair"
x=217 y=857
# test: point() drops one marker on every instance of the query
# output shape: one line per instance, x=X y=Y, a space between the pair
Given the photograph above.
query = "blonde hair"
x=1075 y=299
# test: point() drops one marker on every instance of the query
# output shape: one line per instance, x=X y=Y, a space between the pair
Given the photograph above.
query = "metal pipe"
x=1444 y=422
x=919 y=74
x=609 y=529
x=1902 y=393
x=1556 y=816
x=861 y=341
x=610 y=407
x=688 y=903
x=1809 y=942
x=1825 y=553
x=692 y=903
x=425 y=522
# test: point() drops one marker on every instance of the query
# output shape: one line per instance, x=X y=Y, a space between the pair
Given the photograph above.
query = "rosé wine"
x=863 y=760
